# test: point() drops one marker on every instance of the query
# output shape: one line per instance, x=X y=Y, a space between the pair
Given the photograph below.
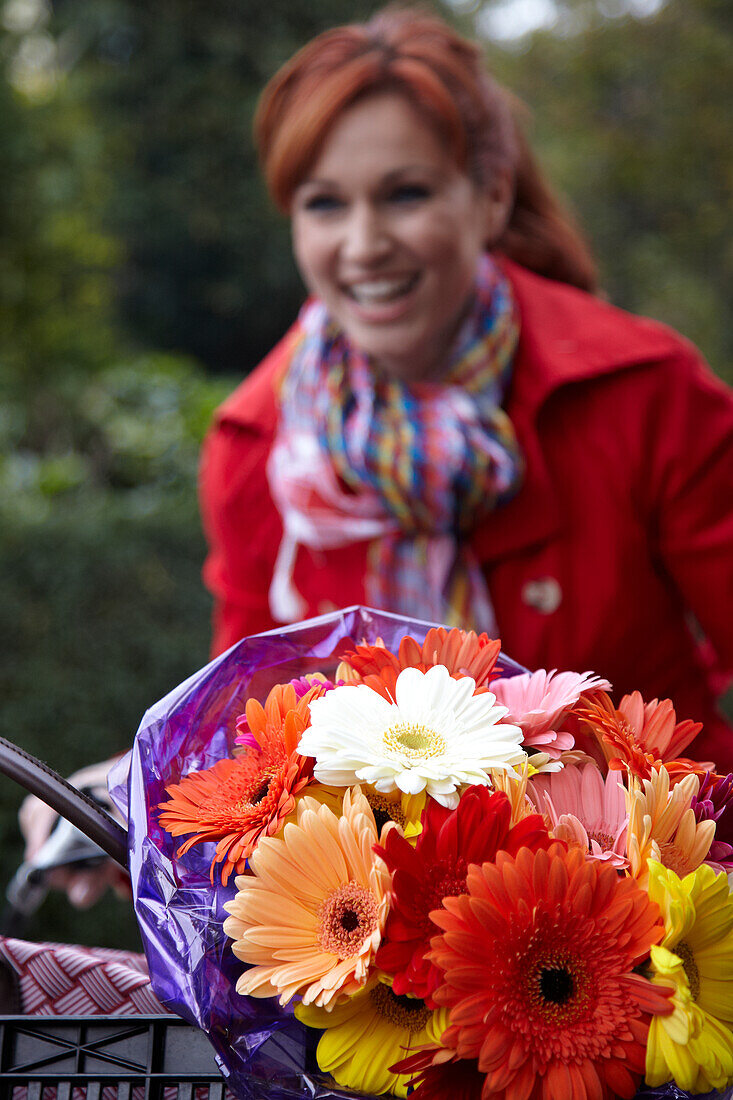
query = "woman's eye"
x=409 y=192
x=322 y=203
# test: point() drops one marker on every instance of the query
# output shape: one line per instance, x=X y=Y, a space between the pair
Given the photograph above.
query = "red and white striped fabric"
x=63 y=980
x=57 y=979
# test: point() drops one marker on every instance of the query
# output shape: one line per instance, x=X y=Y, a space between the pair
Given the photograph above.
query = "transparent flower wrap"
x=262 y=1049
x=670 y=1091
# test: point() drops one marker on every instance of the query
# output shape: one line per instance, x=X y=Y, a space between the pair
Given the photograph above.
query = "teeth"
x=381 y=290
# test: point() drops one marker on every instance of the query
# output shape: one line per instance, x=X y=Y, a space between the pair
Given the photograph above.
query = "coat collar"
x=567 y=335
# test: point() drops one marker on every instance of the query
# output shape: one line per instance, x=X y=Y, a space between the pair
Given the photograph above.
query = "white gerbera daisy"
x=437 y=736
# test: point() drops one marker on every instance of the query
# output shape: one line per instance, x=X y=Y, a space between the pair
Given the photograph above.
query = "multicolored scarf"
x=412 y=467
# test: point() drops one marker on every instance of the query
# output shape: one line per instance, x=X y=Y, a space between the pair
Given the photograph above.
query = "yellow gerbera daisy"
x=371 y=1031
x=694 y=1045
x=662 y=825
x=404 y=809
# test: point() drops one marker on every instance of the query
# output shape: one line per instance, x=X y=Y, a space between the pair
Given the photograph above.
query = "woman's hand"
x=83 y=886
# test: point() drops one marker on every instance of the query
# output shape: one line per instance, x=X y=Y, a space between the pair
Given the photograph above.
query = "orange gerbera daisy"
x=310 y=916
x=236 y=802
x=641 y=736
x=464 y=653
x=538 y=960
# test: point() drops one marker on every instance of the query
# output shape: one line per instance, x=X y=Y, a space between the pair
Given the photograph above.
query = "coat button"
x=543 y=594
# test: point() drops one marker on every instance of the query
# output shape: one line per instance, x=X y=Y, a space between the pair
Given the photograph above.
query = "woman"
x=455 y=428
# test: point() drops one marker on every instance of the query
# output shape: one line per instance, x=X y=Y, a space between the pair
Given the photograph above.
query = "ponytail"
x=541 y=234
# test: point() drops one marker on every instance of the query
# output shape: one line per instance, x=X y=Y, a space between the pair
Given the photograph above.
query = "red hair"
x=443 y=76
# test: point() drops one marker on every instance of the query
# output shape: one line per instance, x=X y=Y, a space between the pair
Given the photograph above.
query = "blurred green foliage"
x=143 y=271
x=630 y=119
x=208 y=267
x=102 y=610
x=56 y=260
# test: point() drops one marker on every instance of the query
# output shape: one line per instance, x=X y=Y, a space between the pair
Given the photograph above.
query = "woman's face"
x=387 y=232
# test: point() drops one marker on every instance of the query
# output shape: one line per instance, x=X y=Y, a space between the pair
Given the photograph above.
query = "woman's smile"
x=381 y=301
x=370 y=291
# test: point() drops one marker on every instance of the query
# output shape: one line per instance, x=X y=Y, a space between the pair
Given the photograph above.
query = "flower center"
x=557 y=988
x=684 y=952
x=383 y=809
x=261 y=792
x=414 y=740
x=604 y=840
x=672 y=857
x=257 y=793
x=442 y=880
x=406 y=1012
x=347 y=917
x=641 y=760
x=556 y=984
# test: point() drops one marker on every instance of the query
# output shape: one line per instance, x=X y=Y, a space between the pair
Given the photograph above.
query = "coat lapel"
x=566 y=336
x=532 y=516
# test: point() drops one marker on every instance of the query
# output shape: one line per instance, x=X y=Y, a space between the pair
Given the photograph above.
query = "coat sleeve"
x=242 y=529
x=692 y=471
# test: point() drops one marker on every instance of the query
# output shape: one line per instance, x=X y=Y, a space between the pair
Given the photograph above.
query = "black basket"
x=97 y=1057
x=106 y=1057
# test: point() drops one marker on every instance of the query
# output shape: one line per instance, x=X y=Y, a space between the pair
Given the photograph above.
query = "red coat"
x=618 y=547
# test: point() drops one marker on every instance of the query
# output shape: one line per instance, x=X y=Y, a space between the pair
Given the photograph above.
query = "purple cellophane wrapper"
x=261 y=1048
x=672 y=1092
x=263 y=1051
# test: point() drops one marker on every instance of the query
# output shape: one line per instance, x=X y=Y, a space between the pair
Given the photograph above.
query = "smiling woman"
x=455 y=427
x=388 y=232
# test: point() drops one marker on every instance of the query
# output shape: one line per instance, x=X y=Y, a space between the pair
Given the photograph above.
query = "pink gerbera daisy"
x=585 y=809
x=539 y=701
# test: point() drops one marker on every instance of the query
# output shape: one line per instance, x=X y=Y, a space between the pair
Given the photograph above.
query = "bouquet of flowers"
x=373 y=855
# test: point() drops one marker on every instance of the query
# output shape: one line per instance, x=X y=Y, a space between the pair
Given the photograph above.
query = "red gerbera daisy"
x=458 y=1078
x=464 y=653
x=235 y=802
x=538 y=960
x=436 y=867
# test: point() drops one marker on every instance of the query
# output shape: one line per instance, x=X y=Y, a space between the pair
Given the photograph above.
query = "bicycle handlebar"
x=65 y=799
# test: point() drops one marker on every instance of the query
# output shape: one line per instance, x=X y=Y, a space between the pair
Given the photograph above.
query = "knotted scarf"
x=410 y=466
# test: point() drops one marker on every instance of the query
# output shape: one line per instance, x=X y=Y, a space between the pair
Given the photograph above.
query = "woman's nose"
x=367 y=239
